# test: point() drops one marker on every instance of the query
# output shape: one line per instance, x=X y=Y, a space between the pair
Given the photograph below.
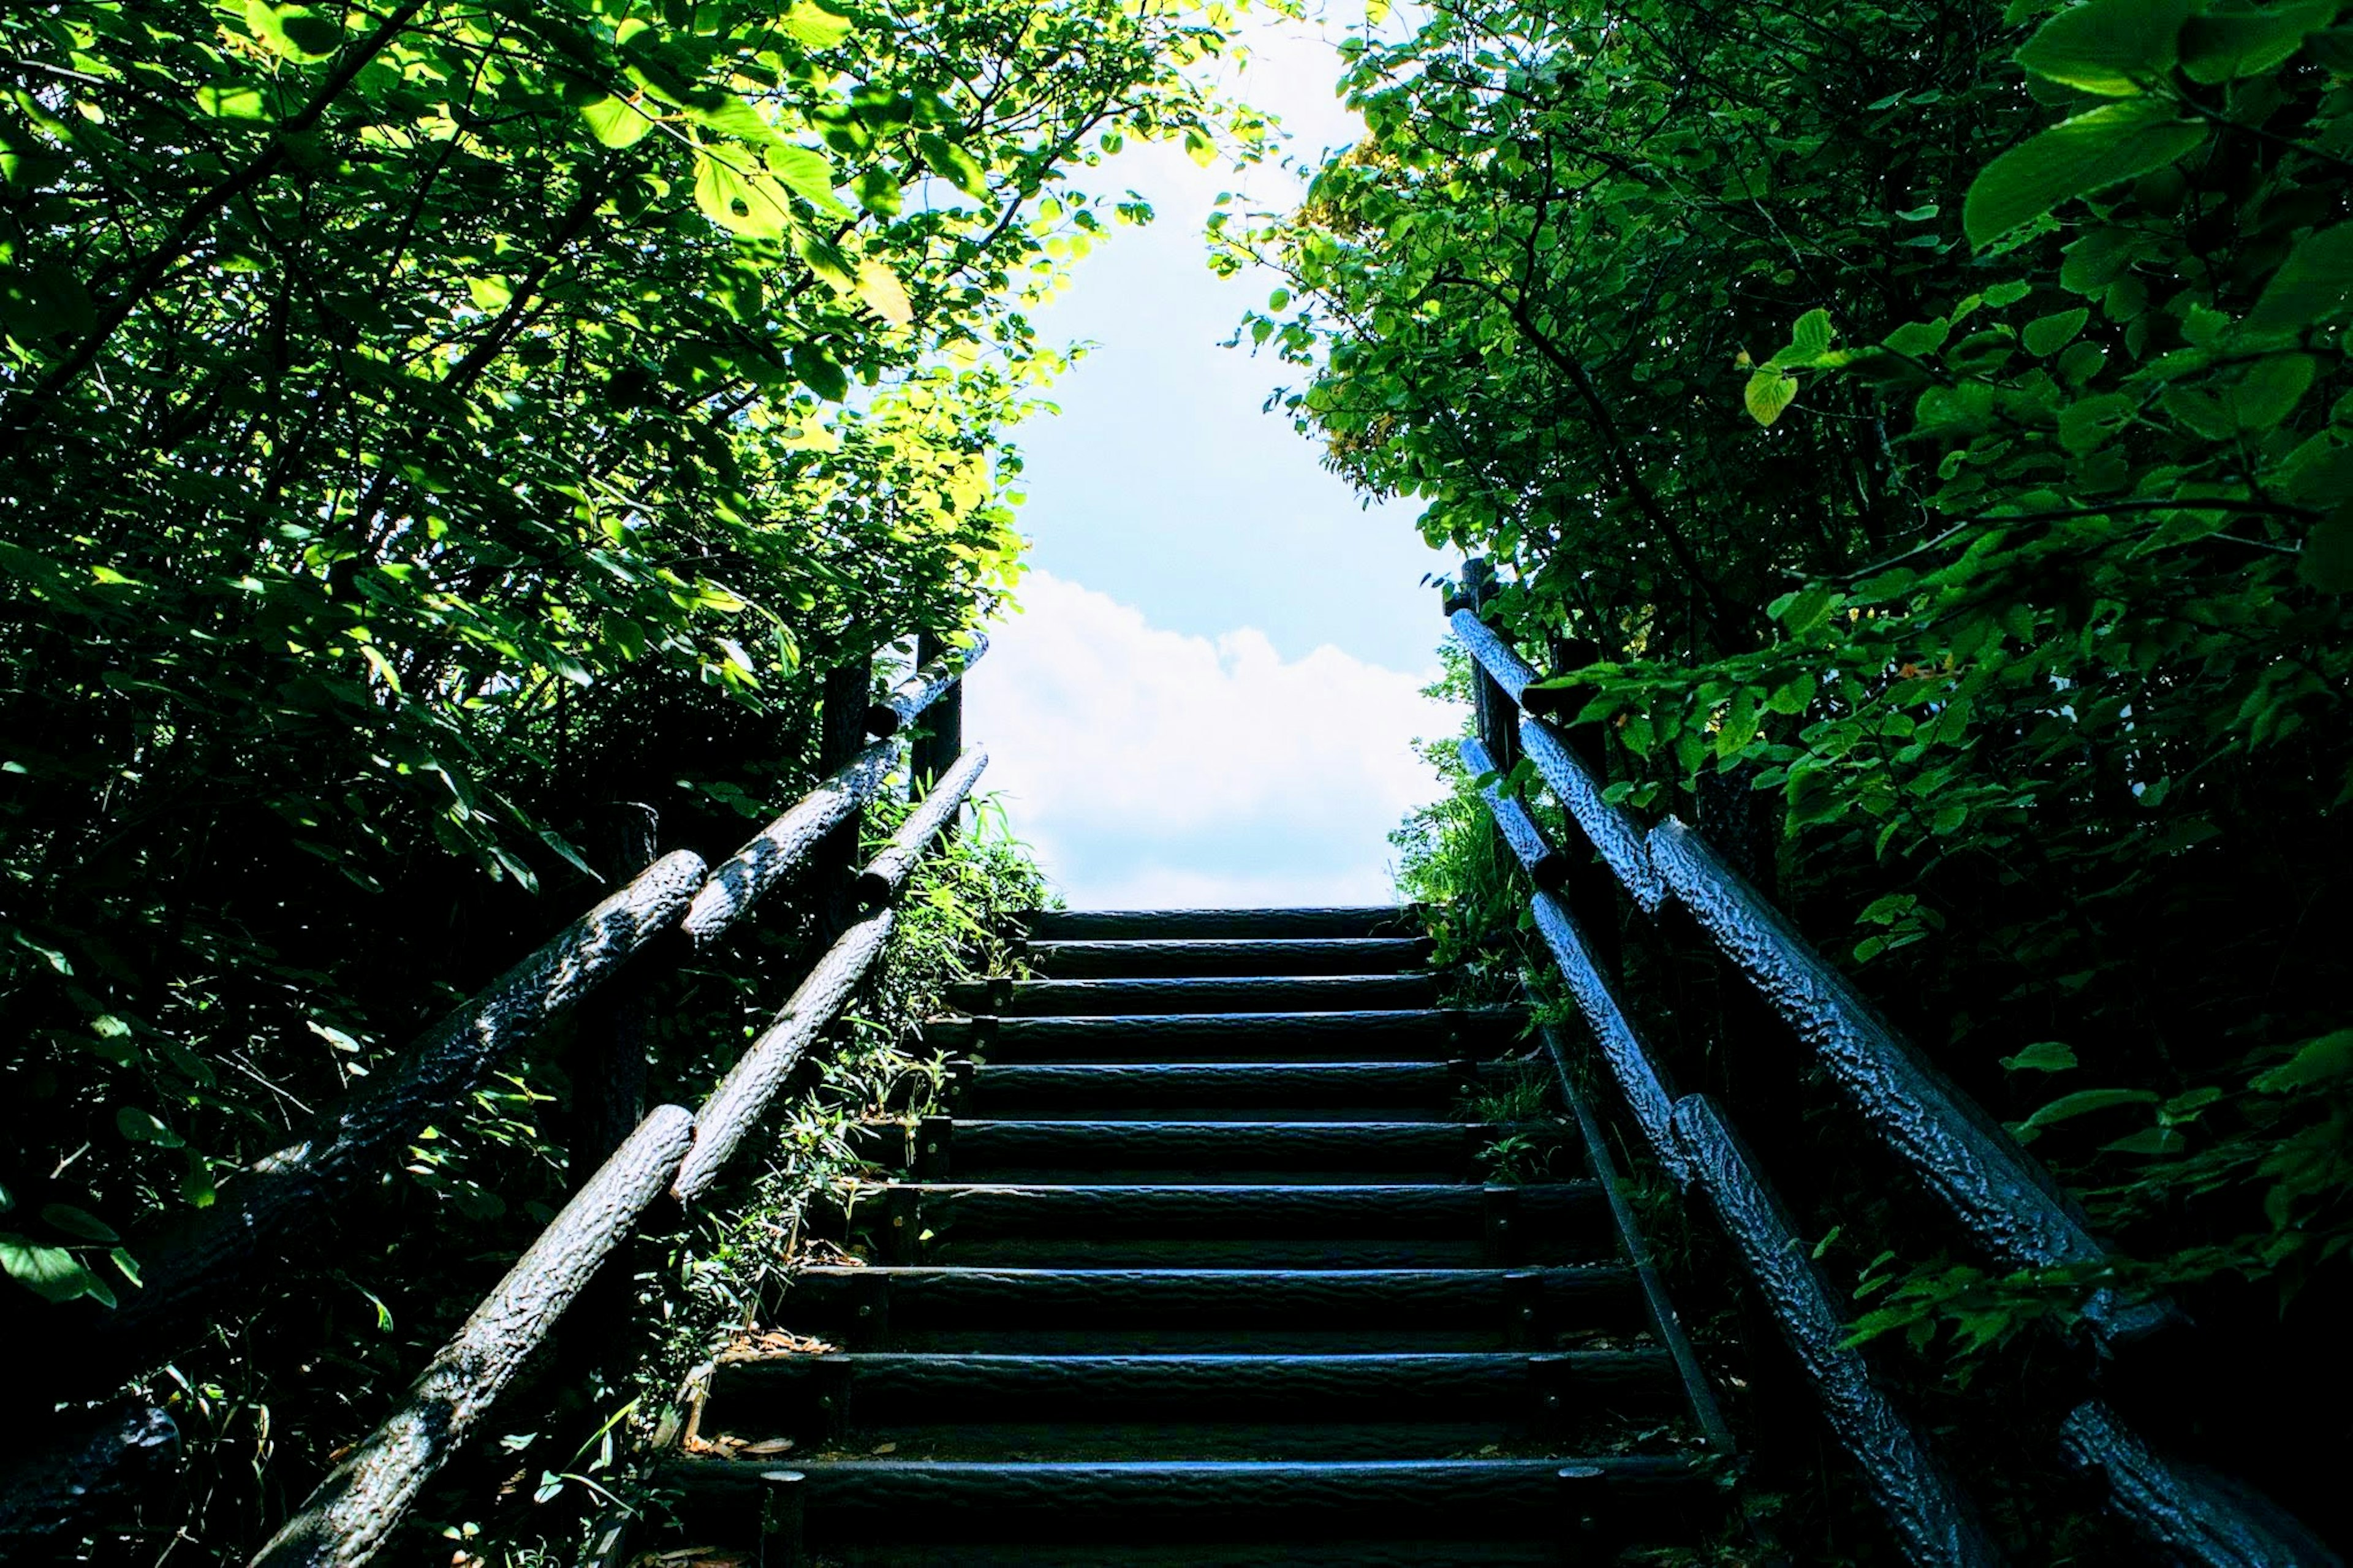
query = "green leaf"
x=1920 y=338
x=819 y=373
x=2311 y=285
x=2270 y=390
x=806 y=174
x=2043 y=1056
x=299 y=32
x=2046 y=335
x=2149 y=1141
x=884 y=294
x=78 y=1222
x=2323 y=1060
x=751 y=205
x=1769 y=392
x=2224 y=44
x=49 y=1272
x=616 y=122
x=814 y=26
x=1809 y=340
x=145 y=1127
x=234 y=100
x=2113 y=47
x=2082 y=1102
x=2073 y=158
x=952 y=163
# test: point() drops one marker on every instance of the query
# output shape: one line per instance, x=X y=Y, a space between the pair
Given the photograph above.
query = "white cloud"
x=1155 y=769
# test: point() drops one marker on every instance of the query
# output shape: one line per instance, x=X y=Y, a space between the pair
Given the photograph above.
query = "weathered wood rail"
x=201 y=1267
x=1999 y=1197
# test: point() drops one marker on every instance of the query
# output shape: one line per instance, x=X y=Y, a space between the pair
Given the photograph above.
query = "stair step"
x=888 y=1388
x=1205 y=956
x=1215 y=1226
x=875 y=1501
x=1001 y=1088
x=1441 y=1150
x=1412 y=1035
x=1249 y=994
x=1161 y=925
x=1261 y=1308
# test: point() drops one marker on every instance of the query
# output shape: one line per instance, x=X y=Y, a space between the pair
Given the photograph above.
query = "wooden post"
x=609 y=1094
x=936 y=749
x=1499 y=716
x=841 y=735
x=609 y=1063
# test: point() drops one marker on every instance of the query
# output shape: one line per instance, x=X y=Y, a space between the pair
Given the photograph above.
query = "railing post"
x=841 y=735
x=936 y=749
x=1499 y=716
x=608 y=1094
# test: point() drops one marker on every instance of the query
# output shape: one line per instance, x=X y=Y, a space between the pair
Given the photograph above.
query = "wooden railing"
x=201 y=1268
x=1999 y=1197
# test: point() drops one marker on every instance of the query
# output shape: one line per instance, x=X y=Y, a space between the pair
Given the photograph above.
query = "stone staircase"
x=1237 y=1248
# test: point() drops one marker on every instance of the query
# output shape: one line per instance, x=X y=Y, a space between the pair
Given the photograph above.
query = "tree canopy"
x=1931 y=421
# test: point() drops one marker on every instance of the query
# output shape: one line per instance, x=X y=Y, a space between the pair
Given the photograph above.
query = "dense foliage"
x=421 y=424
x=1931 y=423
x=418 y=422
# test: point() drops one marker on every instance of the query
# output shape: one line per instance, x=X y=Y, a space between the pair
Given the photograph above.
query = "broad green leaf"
x=816 y=27
x=2082 y=1102
x=2043 y=1056
x=883 y=293
x=78 y=1222
x=299 y=32
x=819 y=373
x=616 y=122
x=2311 y=287
x=1920 y=338
x=2046 y=335
x=2074 y=158
x=1809 y=340
x=749 y=205
x=234 y=100
x=2113 y=47
x=2270 y=390
x=1769 y=393
x=806 y=173
x=2149 y=1141
x=144 y=1127
x=49 y=1272
x=952 y=163
x=2323 y=1060
x=826 y=259
x=2235 y=41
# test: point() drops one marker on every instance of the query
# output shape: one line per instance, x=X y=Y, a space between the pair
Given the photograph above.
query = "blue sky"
x=1212 y=694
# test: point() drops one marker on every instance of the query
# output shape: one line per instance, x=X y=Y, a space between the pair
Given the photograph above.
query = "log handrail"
x=193 y=1270
x=2001 y=1194
x=351 y=1514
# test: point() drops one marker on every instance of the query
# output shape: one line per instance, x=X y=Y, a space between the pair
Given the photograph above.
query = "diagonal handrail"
x=2001 y=1194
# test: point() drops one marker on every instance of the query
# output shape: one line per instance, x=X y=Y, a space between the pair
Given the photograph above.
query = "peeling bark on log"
x=735 y=1106
x=1999 y=1193
x=189 y=1269
x=921 y=689
x=352 y=1515
x=2187 y=1512
x=783 y=846
x=1932 y=1520
x=1614 y=835
x=887 y=872
x=1649 y=1094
